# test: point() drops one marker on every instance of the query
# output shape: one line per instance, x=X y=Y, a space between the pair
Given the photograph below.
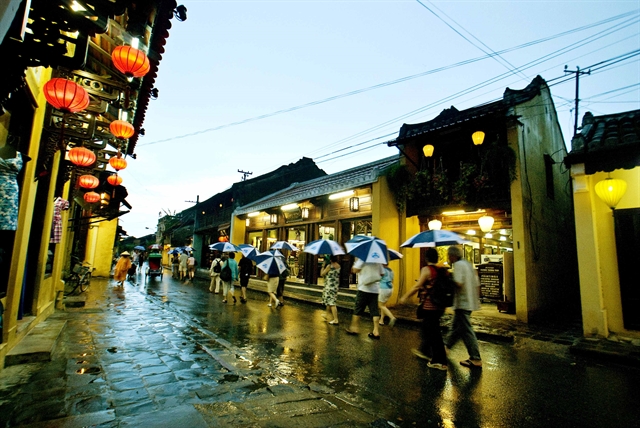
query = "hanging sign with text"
x=490 y=275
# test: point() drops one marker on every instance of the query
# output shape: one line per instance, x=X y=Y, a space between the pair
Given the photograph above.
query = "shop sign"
x=292 y=216
x=490 y=275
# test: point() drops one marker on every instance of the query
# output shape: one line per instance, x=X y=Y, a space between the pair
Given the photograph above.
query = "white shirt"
x=467 y=297
x=368 y=271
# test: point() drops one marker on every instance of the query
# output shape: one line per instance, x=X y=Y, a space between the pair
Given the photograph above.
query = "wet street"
x=198 y=350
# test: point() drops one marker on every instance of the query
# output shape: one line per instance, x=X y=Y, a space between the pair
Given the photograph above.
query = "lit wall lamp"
x=486 y=223
x=427 y=150
x=611 y=190
x=435 y=224
x=341 y=195
x=304 y=213
x=477 y=137
x=247 y=222
x=354 y=204
x=273 y=218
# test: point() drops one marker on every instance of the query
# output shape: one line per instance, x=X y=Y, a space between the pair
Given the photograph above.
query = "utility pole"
x=244 y=174
x=195 y=221
x=577 y=72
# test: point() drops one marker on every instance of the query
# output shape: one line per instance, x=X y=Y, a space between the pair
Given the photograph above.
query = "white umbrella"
x=283 y=245
x=225 y=247
x=434 y=238
x=248 y=251
x=369 y=249
x=394 y=255
x=270 y=263
x=323 y=246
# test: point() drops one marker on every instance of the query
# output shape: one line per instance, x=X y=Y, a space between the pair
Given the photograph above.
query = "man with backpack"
x=466 y=299
x=214 y=273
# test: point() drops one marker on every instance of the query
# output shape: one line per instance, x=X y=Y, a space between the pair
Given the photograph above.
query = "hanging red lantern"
x=114 y=180
x=88 y=181
x=91 y=197
x=118 y=163
x=82 y=157
x=122 y=129
x=130 y=61
x=66 y=95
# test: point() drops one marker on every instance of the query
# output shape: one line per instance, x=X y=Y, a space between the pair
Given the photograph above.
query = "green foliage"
x=399 y=178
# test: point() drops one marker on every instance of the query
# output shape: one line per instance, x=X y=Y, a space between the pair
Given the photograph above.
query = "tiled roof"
x=340 y=181
x=453 y=117
x=606 y=143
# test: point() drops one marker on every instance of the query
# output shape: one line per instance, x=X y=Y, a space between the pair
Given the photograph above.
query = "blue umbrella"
x=368 y=249
x=139 y=247
x=225 y=247
x=248 y=251
x=283 y=245
x=394 y=255
x=323 y=246
x=270 y=263
x=174 y=251
x=434 y=238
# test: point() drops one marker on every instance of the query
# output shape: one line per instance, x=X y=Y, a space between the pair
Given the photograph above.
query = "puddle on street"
x=89 y=370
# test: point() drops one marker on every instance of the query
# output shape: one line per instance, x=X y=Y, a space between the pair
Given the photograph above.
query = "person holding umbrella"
x=227 y=283
x=369 y=276
x=331 y=274
x=246 y=269
x=272 y=264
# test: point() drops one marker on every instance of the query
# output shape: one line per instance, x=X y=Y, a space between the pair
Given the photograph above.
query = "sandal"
x=224 y=301
x=471 y=364
x=353 y=333
x=373 y=336
x=334 y=322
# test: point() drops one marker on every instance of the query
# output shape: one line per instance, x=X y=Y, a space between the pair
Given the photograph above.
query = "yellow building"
x=605 y=168
x=49 y=212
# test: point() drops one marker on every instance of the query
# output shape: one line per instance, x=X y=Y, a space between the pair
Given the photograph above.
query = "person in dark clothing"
x=281 y=280
x=246 y=270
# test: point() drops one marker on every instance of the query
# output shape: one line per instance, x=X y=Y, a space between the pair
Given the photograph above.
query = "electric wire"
x=384 y=84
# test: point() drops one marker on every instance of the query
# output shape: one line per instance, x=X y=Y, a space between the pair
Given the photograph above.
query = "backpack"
x=217 y=268
x=443 y=288
x=225 y=273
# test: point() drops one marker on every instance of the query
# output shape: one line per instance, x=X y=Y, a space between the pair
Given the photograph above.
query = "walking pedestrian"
x=369 y=275
x=122 y=268
x=214 y=273
x=272 y=288
x=184 y=258
x=331 y=274
x=191 y=267
x=175 y=263
x=431 y=344
x=386 y=288
x=227 y=284
x=246 y=270
x=135 y=257
x=282 y=279
x=466 y=299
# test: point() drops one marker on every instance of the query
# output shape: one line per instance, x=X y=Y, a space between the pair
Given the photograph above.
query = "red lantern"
x=91 y=197
x=82 y=157
x=88 y=181
x=118 y=163
x=66 y=95
x=114 y=179
x=121 y=129
x=130 y=61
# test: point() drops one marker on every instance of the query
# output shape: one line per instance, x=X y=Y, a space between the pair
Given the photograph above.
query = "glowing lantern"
x=88 y=181
x=130 y=61
x=486 y=223
x=477 y=137
x=122 y=129
x=611 y=190
x=91 y=197
x=65 y=95
x=82 y=157
x=114 y=179
x=435 y=224
x=118 y=162
x=428 y=150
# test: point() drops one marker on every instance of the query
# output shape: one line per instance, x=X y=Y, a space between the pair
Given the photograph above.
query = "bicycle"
x=79 y=278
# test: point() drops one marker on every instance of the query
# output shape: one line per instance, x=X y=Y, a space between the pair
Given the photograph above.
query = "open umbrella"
x=394 y=255
x=225 y=247
x=369 y=249
x=155 y=247
x=434 y=238
x=273 y=252
x=174 y=251
x=248 y=251
x=187 y=249
x=323 y=246
x=139 y=248
x=283 y=245
x=270 y=263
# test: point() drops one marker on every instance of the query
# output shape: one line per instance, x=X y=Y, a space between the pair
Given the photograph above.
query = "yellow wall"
x=597 y=253
x=100 y=239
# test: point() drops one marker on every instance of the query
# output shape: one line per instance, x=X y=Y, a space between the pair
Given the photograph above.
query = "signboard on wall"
x=491 y=279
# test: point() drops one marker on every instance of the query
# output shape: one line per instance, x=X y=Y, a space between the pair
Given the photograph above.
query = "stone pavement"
x=126 y=359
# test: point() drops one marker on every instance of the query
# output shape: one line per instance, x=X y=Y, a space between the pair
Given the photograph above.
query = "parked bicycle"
x=78 y=279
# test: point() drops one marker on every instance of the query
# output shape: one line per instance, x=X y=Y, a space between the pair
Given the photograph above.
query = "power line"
x=384 y=84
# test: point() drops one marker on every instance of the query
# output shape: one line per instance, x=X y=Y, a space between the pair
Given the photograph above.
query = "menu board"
x=490 y=275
